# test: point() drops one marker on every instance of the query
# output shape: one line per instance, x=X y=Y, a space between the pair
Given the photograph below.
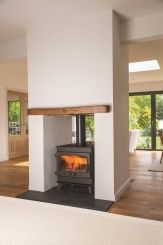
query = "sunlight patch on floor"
x=23 y=164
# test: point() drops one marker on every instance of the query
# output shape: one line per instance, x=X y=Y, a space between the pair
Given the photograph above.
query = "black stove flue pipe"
x=80 y=130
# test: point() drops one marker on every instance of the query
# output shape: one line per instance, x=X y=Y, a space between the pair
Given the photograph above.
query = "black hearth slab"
x=68 y=197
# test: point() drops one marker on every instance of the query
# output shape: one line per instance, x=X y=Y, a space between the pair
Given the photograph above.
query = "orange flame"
x=74 y=162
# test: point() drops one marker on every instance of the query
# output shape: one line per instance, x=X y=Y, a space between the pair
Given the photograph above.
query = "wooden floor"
x=144 y=198
x=14 y=177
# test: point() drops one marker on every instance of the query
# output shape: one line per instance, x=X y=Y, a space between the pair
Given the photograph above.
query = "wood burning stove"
x=75 y=162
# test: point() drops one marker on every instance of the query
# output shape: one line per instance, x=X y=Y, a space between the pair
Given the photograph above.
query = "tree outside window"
x=14 y=117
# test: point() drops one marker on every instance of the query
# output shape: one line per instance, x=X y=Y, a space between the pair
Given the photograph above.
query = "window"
x=90 y=128
x=14 y=117
x=146 y=117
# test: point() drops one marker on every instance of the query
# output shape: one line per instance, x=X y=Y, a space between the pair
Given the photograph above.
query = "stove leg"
x=72 y=187
x=90 y=189
x=59 y=187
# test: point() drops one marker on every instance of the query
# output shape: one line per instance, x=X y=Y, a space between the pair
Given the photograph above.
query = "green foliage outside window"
x=14 y=117
x=139 y=112
x=140 y=117
x=159 y=107
x=90 y=128
x=14 y=111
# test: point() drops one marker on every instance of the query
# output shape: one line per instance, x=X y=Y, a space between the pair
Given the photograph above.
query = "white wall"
x=3 y=124
x=70 y=63
x=13 y=49
x=146 y=86
x=36 y=153
x=69 y=58
x=75 y=68
x=120 y=106
x=57 y=131
x=12 y=77
x=116 y=171
x=46 y=132
x=104 y=157
x=144 y=28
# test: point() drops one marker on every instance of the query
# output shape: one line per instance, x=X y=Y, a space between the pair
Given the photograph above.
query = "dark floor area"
x=75 y=197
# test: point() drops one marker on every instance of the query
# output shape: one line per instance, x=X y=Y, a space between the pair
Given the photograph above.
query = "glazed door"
x=158 y=117
x=17 y=124
x=140 y=119
x=146 y=116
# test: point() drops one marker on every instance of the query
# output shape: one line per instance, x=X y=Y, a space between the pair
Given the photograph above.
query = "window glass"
x=14 y=117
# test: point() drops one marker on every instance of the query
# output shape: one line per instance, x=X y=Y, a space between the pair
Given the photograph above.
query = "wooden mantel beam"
x=85 y=110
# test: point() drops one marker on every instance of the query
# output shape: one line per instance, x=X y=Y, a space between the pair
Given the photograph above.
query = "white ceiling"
x=152 y=50
x=14 y=14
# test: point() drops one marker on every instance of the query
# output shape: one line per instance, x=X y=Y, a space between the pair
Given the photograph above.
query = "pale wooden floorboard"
x=144 y=198
x=14 y=178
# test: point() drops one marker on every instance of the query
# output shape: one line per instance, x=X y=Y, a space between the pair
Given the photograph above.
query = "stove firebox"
x=75 y=162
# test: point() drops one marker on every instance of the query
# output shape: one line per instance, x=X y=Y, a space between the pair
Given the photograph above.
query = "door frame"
x=23 y=137
x=153 y=116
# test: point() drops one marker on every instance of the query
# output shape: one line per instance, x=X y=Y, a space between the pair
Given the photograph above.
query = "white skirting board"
x=122 y=189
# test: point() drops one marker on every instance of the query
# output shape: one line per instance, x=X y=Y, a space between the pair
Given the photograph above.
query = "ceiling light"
x=149 y=65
